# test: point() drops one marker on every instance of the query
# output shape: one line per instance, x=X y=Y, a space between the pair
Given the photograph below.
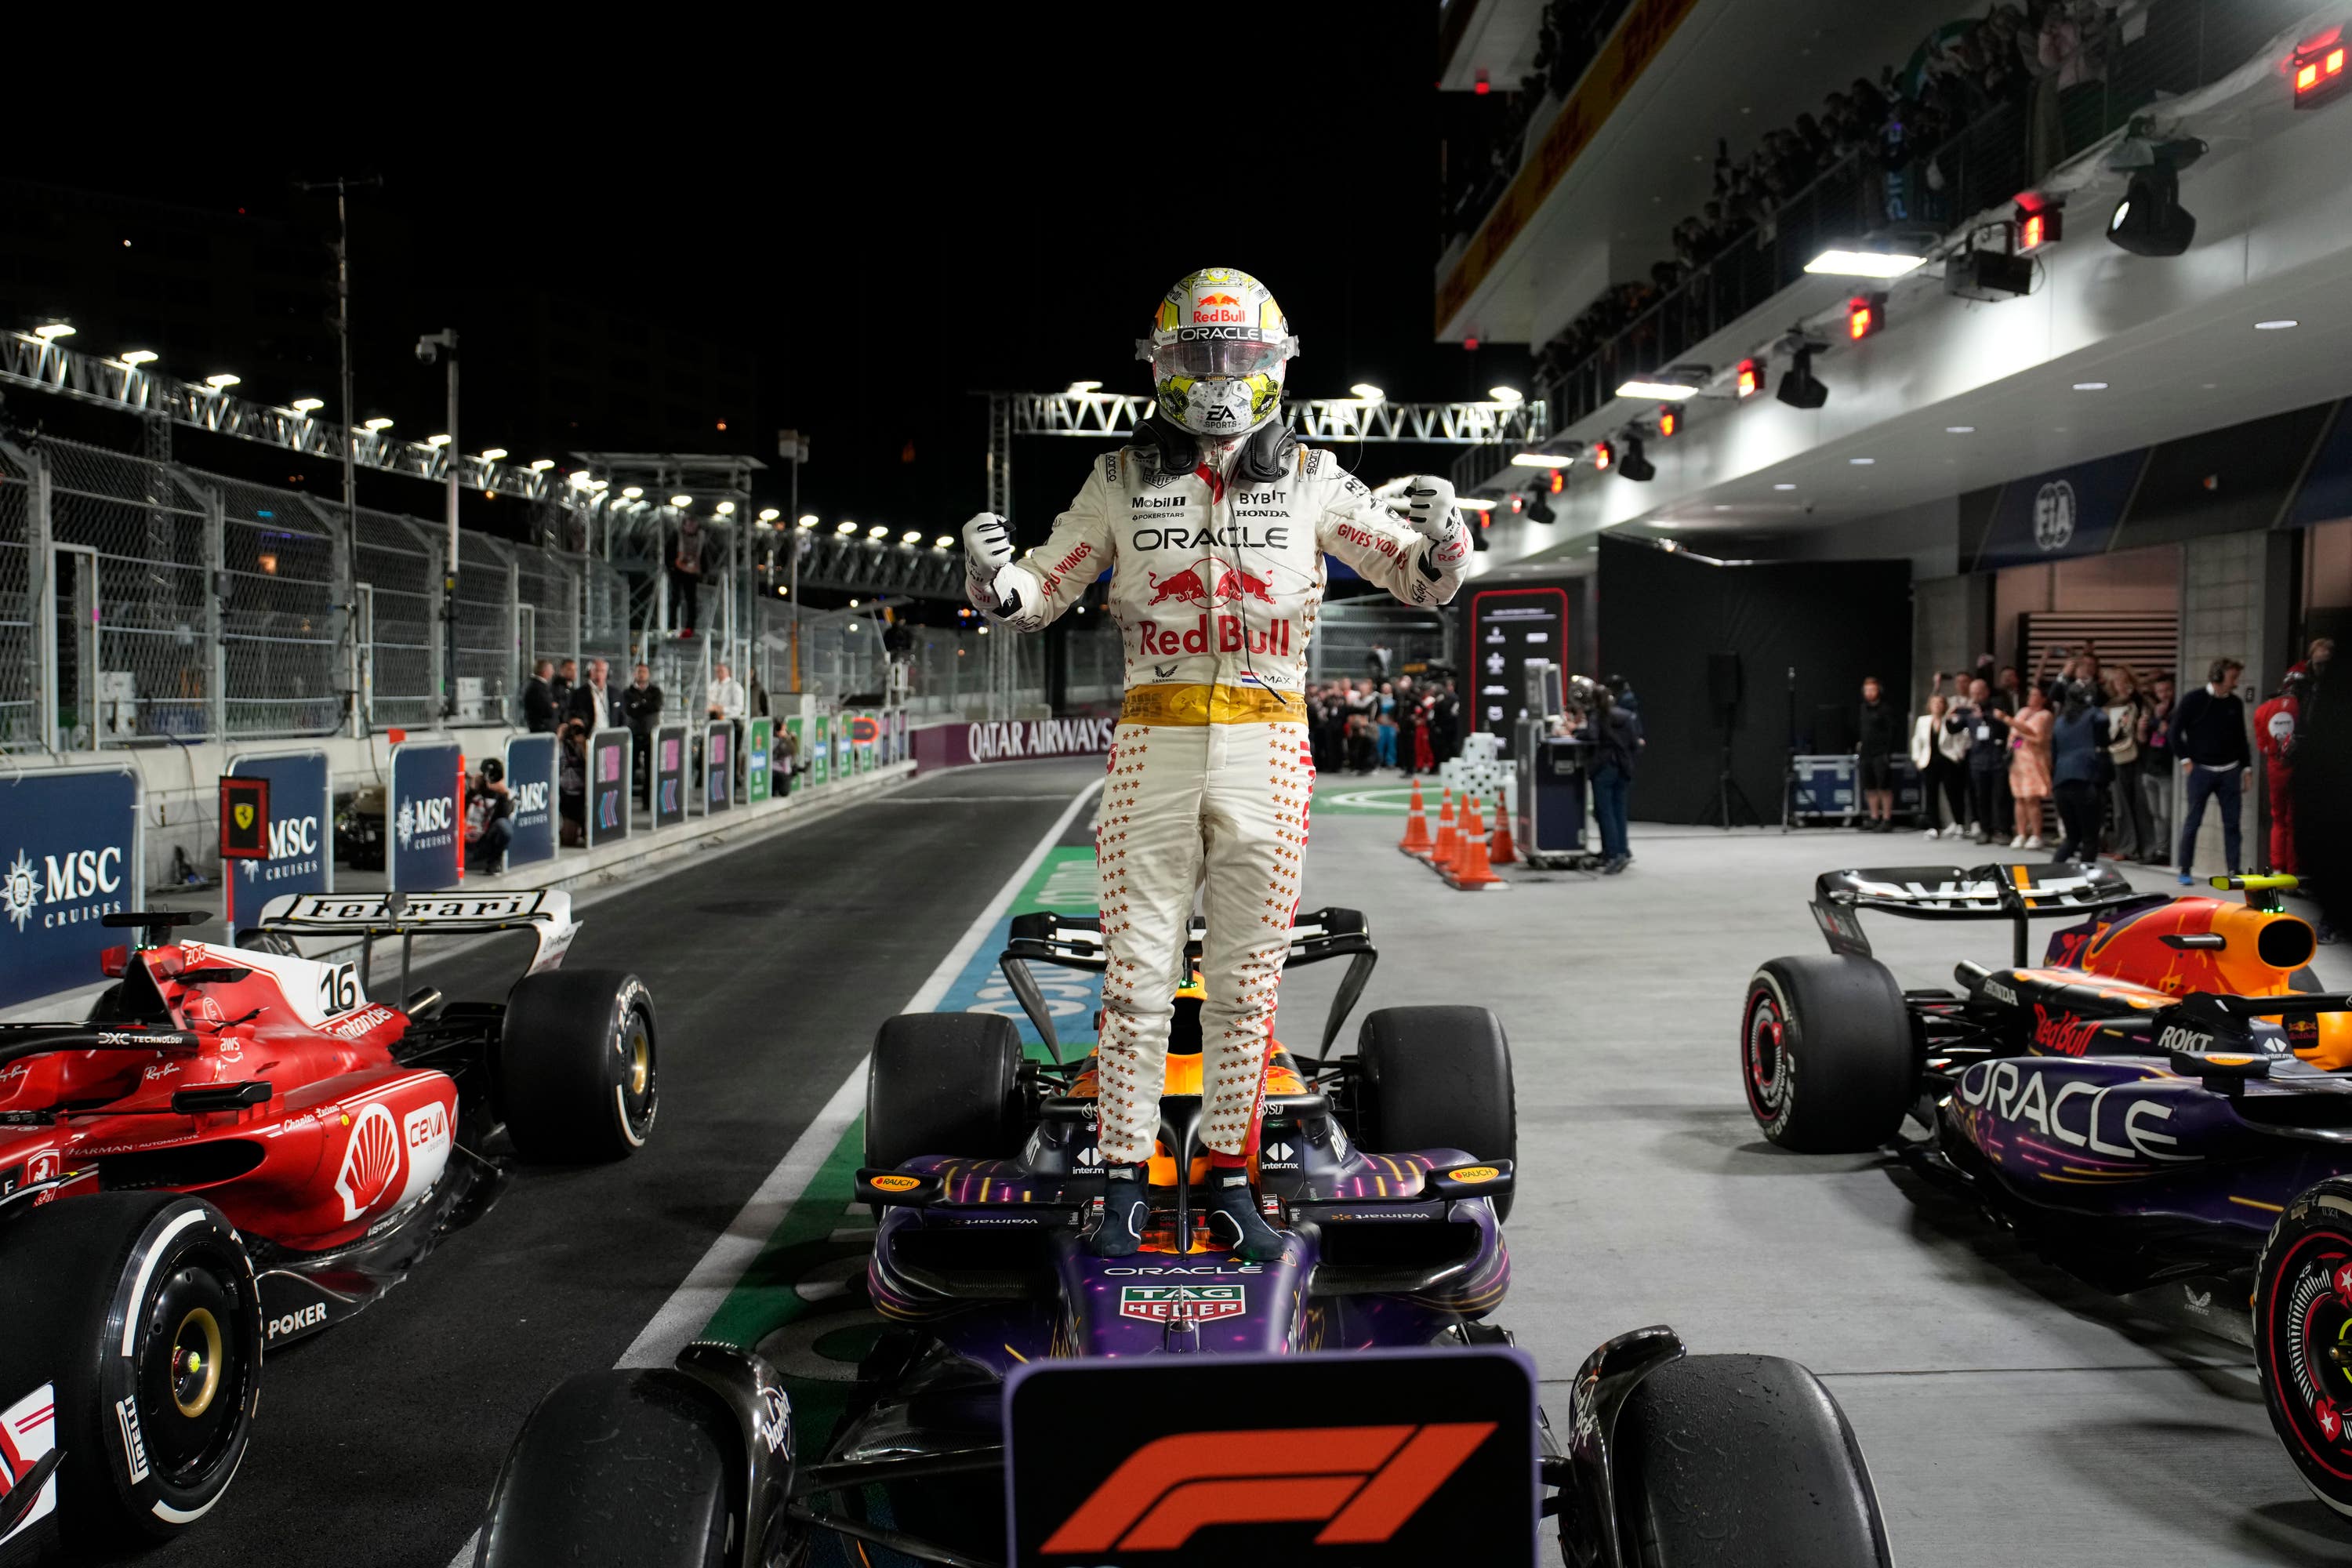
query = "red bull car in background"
x=237 y=1148
x=1348 y=1403
x=2164 y=1103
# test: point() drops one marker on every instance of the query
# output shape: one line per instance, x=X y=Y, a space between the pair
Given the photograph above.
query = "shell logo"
x=893 y=1184
x=1470 y=1175
x=371 y=1161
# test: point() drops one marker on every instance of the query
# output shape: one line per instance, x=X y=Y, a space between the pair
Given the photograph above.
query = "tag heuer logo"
x=1182 y=1303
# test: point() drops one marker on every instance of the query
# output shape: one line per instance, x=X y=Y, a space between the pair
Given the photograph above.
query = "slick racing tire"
x=619 y=1467
x=944 y=1083
x=140 y=1311
x=2303 y=1323
x=1825 y=1053
x=1437 y=1078
x=1740 y=1461
x=579 y=1077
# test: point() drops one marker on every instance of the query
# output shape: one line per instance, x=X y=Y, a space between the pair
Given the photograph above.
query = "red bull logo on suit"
x=1190 y=586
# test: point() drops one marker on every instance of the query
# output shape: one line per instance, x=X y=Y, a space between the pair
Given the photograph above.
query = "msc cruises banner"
x=1012 y=741
x=530 y=779
x=428 y=827
x=68 y=855
x=300 y=858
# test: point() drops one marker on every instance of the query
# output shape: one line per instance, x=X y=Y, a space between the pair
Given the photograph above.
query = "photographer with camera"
x=490 y=812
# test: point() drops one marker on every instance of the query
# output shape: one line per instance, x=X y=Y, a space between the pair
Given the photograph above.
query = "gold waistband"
x=1212 y=705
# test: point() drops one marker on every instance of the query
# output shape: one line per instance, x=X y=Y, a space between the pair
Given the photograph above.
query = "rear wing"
x=1076 y=942
x=2018 y=893
x=370 y=918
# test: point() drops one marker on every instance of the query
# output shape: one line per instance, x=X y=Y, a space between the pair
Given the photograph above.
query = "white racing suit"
x=1215 y=589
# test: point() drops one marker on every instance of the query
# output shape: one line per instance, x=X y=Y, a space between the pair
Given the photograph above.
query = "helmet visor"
x=1205 y=356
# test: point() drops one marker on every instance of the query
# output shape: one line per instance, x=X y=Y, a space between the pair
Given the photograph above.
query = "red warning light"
x=2036 y=229
x=1751 y=378
x=1669 y=420
x=1517 y=504
x=1604 y=455
x=1559 y=480
x=1864 y=314
x=2318 y=69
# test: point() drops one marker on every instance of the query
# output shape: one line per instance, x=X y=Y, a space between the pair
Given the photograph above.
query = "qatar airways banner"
x=1012 y=741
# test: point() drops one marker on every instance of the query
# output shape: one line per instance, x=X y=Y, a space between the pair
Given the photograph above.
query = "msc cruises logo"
x=21 y=893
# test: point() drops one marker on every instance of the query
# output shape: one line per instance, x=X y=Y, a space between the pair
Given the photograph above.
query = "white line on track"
x=690 y=1307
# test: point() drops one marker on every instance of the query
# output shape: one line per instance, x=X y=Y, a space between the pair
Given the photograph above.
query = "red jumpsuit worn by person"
x=2274 y=727
x=1215 y=547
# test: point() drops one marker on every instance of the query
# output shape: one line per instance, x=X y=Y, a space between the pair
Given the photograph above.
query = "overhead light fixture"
x=1959 y=429
x=808 y=519
x=2149 y=220
x=378 y=423
x=879 y=530
x=1799 y=388
x=769 y=513
x=2282 y=324
x=308 y=404
x=492 y=453
x=1080 y=388
x=1864 y=314
x=1669 y=419
x=1368 y=392
x=2038 y=227
x=1540 y=508
x=579 y=479
x=1862 y=462
x=632 y=492
x=436 y=440
x=845 y=528
x=1988 y=275
x=1866 y=263
x=1633 y=465
x=944 y=541
x=222 y=380
x=912 y=536
x=137 y=357
x=2090 y=386
x=725 y=509
x=50 y=331
x=541 y=465
x=1508 y=397
x=1749 y=379
x=1474 y=503
x=681 y=502
x=1540 y=460
x=1783 y=485
x=1641 y=387
x=1604 y=456
x=2318 y=69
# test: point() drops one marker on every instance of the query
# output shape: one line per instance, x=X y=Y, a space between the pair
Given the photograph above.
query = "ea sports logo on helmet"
x=371 y=1161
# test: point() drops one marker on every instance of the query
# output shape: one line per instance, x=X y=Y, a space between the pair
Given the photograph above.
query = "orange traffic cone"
x=1471 y=873
x=1416 y=841
x=1501 y=852
x=1468 y=827
x=1449 y=844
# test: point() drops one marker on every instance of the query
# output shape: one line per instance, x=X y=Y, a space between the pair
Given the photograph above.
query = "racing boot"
x=1233 y=1218
x=1125 y=1209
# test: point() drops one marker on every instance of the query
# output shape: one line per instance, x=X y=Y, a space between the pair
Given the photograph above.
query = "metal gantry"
x=31 y=362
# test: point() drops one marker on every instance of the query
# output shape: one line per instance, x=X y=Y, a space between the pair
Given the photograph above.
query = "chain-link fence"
x=142 y=600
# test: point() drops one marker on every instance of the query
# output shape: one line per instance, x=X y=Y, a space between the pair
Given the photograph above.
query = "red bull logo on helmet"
x=1217 y=310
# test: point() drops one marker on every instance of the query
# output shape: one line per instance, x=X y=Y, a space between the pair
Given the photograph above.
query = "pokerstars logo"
x=370 y=1161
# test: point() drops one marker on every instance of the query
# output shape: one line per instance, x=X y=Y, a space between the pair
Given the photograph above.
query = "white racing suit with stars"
x=1215 y=589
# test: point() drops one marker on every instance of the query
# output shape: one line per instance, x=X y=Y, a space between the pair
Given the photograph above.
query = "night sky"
x=884 y=217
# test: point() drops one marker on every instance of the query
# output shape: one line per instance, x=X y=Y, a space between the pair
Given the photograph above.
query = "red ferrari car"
x=248 y=1149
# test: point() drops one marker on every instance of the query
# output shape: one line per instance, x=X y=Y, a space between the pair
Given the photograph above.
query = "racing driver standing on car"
x=1213 y=526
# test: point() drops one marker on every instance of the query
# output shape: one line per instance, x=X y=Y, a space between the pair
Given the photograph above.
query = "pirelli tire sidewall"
x=2301 y=1310
x=80 y=1278
x=1826 y=1054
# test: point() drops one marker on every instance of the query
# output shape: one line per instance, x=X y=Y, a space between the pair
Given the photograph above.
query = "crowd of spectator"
x=1483 y=153
x=1360 y=726
x=1890 y=129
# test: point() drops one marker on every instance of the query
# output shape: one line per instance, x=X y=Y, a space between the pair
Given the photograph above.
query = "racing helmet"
x=1218 y=349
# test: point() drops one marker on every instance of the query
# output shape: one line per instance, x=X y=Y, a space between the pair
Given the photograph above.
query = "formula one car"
x=238 y=1149
x=2164 y=1101
x=1345 y=1403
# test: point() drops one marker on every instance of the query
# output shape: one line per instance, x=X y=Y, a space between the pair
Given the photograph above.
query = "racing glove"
x=1428 y=508
x=987 y=552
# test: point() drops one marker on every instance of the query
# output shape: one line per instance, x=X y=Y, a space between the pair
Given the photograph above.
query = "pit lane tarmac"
x=771 y=966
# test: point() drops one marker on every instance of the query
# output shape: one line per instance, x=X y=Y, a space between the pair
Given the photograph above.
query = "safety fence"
x=143 y=600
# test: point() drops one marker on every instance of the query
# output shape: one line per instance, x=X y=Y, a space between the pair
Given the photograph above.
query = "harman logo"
x=1364 y=1483
x=1182 y=1303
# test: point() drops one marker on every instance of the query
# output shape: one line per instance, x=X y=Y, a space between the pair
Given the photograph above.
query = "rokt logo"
x=1363 y=1482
